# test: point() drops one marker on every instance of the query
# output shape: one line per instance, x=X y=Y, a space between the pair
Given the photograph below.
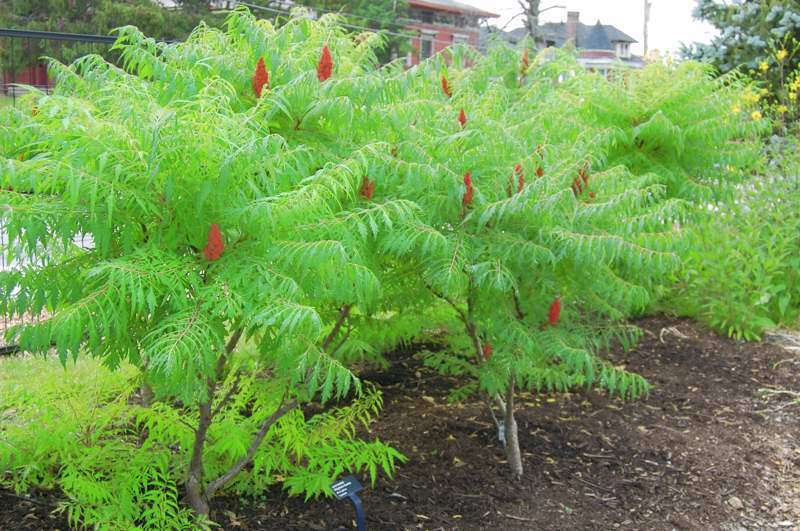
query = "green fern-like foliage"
x=120 y=465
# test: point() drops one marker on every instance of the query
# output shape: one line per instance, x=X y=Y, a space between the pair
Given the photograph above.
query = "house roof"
x=586 y=35
x=451 y=6
x=597 y=39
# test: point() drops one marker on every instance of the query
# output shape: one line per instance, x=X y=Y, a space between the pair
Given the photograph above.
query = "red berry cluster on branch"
x=215 y=246
x=487 y=350
x=555 y=312
x=260 y=78
x=525 y=64
x=325 y=66
x=446 y=87
x=581 y=182
x=468 y=192
x=367 y=188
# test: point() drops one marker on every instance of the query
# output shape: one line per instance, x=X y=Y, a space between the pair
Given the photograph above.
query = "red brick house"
x=31 y=75
x=441 y=23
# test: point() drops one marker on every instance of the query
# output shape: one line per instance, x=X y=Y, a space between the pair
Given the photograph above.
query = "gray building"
x=601 y=47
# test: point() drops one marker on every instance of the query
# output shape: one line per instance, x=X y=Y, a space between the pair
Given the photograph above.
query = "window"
x=427 y=17
x=425 y=47
x=623 y=50
x=460 y=38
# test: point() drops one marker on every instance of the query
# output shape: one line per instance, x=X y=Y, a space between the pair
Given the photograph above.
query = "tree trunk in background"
x=647 y=5
x=531 y=9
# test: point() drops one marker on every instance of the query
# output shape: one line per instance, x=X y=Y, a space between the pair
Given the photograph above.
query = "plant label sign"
x=349 y=487
x=346 y=487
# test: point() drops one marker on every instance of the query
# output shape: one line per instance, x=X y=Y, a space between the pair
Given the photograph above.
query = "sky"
x=671 y=21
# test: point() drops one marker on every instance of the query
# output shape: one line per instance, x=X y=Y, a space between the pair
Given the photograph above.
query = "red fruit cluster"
x=487 y=350
x=325 y=66
x=540 y=168
x=581 y=182
x=446 y=87
x=468 y=192
x=520 y=177
x=555 y=312
x=520 y=180
x=260 y=78
x=525 y=63
x=367 y=188
x=214 y=247
x=462 y=118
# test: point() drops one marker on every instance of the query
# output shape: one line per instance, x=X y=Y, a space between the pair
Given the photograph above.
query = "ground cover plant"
x=266 y=210
x=741 y=274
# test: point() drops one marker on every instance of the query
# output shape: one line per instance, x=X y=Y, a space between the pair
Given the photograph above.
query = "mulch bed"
x=705 y=450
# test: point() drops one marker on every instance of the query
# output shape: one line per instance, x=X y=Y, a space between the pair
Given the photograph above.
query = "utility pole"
x=647 y=5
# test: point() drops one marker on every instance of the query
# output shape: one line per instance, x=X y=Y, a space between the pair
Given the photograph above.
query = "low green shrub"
x=121 y=465
x=742 y=274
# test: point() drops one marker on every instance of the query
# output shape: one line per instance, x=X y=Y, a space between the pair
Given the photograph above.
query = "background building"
x=441 y=23
x=601 y=47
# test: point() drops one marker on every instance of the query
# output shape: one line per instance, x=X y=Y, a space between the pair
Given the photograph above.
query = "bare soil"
x=707 y=449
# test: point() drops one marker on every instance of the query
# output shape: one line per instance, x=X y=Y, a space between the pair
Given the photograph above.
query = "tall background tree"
x=751 y=33
x=97 y=17
x=531 y=10
x=387 y=16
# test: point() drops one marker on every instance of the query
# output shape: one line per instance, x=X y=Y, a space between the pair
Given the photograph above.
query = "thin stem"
x=344 y=312
x=518 y=306
x=228 y=395
x=194 y=482
x=461 y=314
x=344 y=338
x=237 y=467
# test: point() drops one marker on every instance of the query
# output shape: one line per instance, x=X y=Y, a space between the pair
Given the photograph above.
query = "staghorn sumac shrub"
x=174 y=212
x=560 y=231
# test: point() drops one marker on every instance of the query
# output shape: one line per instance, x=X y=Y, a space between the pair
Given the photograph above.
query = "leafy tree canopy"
x=96 y=17
x=751 y=33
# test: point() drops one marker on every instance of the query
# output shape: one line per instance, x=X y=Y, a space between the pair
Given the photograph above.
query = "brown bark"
x=344 y=312
x=220 y=482
x=512 y=436
x=197 y=496
x=198 y=499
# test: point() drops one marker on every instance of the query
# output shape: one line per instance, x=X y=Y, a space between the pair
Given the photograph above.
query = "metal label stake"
x=349 y=487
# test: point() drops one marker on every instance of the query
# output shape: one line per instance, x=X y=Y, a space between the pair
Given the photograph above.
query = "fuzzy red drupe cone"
x=367 y=188
x=462 y=118
x=214 y=247
x=520 y=177
x=487 y=350
x=260 y=78
x=555 y=312
x=446 y=87
x=325 y=67
x=539 y=171
x=468 y=193
x=525 y=62
x=591 y=195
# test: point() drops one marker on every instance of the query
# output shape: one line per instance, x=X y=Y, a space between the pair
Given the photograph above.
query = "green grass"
x=6 y=100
